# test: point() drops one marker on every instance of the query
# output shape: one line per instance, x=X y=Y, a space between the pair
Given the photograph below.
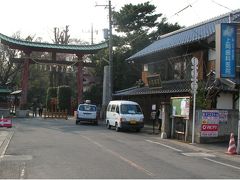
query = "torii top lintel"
x=28 y=46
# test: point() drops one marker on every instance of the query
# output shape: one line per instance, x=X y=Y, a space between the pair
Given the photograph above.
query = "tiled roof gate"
x=27 y=47
x=48 y=47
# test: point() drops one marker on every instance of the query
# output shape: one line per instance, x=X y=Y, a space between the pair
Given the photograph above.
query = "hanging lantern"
x=50 y=68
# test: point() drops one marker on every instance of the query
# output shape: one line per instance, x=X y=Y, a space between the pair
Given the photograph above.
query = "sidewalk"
x=218 y=149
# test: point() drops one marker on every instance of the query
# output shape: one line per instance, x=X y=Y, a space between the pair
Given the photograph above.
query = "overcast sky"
x=39 y=17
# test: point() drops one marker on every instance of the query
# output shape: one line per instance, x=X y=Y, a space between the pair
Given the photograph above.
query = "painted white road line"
x=224 y=164
x=170 y=147
x=121 y=157
x=8 y=139
x=23 y=171
x=198 y=154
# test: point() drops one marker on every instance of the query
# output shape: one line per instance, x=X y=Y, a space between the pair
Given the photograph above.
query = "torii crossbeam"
x=28 y=47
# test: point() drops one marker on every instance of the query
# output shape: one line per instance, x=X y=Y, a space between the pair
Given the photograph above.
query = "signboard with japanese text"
x=154 y=80
x=180 y=107
x=228 y=48
x=210 y=123
x=223 y=116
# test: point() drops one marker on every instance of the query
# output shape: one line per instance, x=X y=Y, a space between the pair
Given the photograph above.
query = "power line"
x=183 y=9
x=221 y=5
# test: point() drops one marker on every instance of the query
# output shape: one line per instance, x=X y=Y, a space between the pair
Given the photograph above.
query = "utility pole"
x=92 y=31
x=110 y=84
x=110 y=51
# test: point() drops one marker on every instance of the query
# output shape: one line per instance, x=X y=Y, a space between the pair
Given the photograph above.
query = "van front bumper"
x=129 y=125
x=86 y=120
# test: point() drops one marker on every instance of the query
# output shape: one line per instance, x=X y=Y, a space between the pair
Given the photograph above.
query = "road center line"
x=170 y=147
x=119 y=156
x=23 y=171
x=224 y=164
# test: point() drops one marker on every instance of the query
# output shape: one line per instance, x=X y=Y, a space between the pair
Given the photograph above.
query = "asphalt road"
x=48 y=148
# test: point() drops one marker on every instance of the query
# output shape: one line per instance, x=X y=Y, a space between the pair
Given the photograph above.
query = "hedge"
x=64 y=94
x=51 y=93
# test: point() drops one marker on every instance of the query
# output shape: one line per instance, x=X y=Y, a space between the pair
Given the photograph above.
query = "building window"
x=175 y=68
x=145 y=67
x=158 y=68
x=211 y=54
x=180 y=68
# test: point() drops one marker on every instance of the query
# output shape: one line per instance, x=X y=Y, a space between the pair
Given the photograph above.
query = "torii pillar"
x=24 y=81
x=79 y=79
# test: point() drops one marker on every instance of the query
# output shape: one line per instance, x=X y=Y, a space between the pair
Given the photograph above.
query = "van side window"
x=113 y=108
x=130 y=109
x=117 y=109
x=109 y=107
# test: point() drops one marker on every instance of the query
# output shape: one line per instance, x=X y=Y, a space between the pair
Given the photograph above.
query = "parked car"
x=87 y=113
x=124 y=115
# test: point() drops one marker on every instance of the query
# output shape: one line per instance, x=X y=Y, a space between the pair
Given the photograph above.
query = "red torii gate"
x=28 y=47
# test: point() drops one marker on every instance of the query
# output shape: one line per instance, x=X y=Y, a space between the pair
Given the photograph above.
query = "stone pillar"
x=105 y=96
x=165 y=130
x=79 y=80
x=24 y=82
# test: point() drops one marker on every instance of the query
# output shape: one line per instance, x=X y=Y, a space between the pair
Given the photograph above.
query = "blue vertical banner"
x=228 y=48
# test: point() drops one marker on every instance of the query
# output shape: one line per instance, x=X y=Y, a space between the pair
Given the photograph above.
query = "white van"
x=124 y=115
x=87 y=113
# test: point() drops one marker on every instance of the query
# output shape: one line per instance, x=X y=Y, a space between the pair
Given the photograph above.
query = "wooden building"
x=166 y=70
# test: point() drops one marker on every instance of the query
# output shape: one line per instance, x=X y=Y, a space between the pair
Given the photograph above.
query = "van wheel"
x=108 y=125
x=116 y=127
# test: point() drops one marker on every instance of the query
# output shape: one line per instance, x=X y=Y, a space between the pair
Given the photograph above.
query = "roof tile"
x=185 y=35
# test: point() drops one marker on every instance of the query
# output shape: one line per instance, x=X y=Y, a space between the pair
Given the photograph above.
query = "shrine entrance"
x=29 y=47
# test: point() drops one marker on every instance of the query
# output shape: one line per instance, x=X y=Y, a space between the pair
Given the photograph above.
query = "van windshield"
x=87 y=107
x=130 y=109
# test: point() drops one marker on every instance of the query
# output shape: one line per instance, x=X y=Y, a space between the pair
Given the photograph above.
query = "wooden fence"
x=55 y=114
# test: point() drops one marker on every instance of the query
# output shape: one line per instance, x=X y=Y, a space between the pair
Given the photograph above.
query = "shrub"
x=51 y=93
x=64 y=98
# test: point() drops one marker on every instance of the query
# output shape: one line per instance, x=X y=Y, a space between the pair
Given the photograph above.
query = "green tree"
x=138 y=27
x=51 y=93
x=38 y=84
x=64 y=94
x=164 y=28
x=9 y=71
x=136 y=21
